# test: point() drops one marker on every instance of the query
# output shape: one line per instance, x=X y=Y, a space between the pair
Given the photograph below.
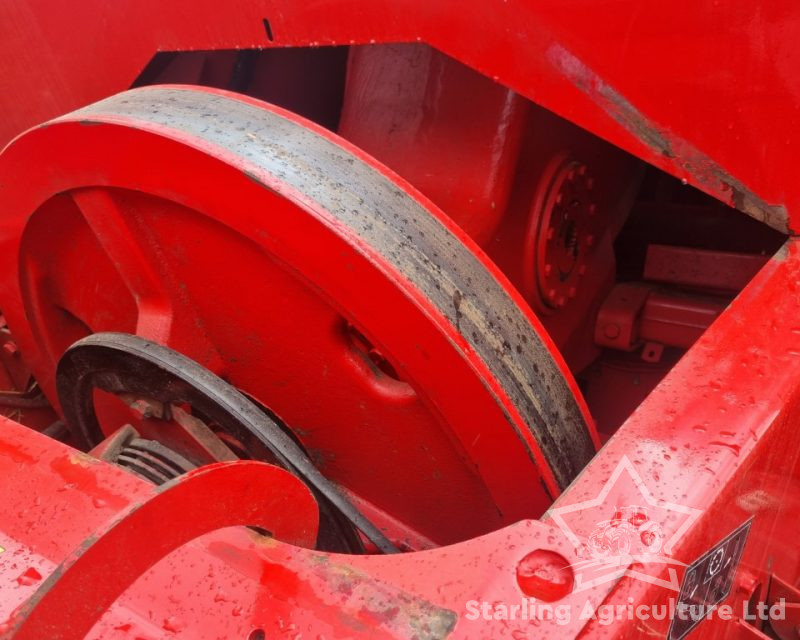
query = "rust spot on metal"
x=703 y=171
x=352 y=597
x=409 y=615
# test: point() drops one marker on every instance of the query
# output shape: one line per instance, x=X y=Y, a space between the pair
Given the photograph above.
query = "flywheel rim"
x=492 y=328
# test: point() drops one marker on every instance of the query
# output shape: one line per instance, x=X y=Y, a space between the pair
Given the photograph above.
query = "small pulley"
x=128 y=365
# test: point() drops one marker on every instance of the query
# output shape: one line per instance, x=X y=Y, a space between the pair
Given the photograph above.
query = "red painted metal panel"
x=698 y=91
x=707 y=438
x=694 y=89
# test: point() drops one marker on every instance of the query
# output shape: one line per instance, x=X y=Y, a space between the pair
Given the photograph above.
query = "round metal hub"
x=303 y=273
x=566 y=227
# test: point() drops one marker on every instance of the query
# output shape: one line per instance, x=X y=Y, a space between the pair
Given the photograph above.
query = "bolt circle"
x=565 y=224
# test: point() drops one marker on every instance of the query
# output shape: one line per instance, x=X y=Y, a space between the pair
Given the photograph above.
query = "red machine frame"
x=717 y=435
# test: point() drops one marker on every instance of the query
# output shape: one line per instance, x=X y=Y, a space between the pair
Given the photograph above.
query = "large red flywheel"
x=302 y=272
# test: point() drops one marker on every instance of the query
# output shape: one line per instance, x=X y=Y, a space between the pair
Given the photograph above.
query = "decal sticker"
x=707 y=582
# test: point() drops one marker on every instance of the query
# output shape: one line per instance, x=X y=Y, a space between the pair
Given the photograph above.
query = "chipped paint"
x=408 y=615
x=82 y=459
x=686 y=158
x=339 y=593
x=783 y=252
